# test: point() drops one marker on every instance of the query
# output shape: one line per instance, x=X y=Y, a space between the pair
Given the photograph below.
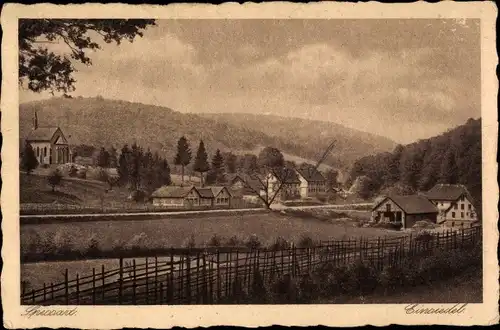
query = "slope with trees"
x=453 y=157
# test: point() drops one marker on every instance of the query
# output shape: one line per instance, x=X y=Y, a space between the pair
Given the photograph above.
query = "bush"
x=190 y=242
x=214 y=241
x=137 y=242
x=73 y=172
x=284 y=290
x=63 y=242
x=234 y=241
x=305 y=241
x=258 y=292
x=280 y=244
x=93 y=248
x=82 y=173
x=253 y=242
x=54 y=179
x=308 y=289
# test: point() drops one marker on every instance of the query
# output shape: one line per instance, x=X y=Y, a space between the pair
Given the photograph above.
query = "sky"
x=403 y=79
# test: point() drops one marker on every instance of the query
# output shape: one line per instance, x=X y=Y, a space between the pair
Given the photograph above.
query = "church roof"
x=42 y=133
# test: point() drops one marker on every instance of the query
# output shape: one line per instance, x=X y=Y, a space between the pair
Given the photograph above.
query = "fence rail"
x=208 y=277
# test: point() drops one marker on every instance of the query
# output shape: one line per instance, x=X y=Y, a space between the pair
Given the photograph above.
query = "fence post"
x=103 y=282
x=188 y=278
x=33 y=296
x=66 y=286
x=161 y=293
x=205 y=281
x=134 y=282
x=77 y=288
x=44 y=293
x=52 y=291
x=218 y=276
x=147 y=280
x=197 y=279
x=120 y=283
x=93 y=286
x=156 y=278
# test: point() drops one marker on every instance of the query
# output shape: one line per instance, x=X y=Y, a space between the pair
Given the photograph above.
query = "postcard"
x=249 y=164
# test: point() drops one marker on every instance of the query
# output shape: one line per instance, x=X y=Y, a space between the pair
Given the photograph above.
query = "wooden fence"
x=209 y=277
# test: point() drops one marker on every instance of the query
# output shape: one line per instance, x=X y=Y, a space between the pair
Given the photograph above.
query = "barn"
x=404 y=210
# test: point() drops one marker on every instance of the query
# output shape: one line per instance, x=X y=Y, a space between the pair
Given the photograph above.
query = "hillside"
x=452 y=157
x=97 y=121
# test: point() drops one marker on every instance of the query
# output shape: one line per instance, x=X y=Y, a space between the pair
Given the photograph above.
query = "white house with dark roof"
x=192 y=197
x=312 y=182
x=49 y=144
x=455 y=205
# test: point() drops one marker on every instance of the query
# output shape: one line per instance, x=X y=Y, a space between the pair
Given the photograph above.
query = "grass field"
x=173 y=232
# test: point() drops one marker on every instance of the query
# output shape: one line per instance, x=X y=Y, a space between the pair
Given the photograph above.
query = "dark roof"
x=42 y=133
x=412 y=204
x=447 y=192
x=205 y=192
x=249 y=180
x=172 y=192
x=290 y=175
x=311 y=174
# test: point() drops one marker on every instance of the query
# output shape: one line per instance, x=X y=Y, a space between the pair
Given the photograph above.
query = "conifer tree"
x=216 y=173
x=201 y=161
x=28 y=160
x=183 y=156
x=123 y=167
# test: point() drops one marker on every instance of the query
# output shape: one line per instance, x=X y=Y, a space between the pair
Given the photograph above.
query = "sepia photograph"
x=251 y=161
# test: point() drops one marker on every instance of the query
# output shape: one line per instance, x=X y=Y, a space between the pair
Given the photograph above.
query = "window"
x=470 y=207
x=45 y=152
x=388 y=207
x=453 y=224
x=462 y=206
x=37 y=151
x=462 y=214
x=452 y=214
x=455 y=206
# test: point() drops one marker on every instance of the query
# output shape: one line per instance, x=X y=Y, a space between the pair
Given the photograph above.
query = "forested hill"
x=101 y=122
x=453 y=157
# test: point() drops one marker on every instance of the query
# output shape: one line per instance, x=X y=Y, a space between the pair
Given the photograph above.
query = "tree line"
x=453 y=158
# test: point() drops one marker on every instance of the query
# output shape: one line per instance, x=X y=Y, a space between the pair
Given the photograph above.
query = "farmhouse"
x=246 y=186
x=404 y=210
x=312 y=182
x=49 y=144
x=191 y=197
x=289 y=181
x=454 y=204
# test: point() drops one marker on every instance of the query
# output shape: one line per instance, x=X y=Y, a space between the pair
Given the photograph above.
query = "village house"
x=176 y=197
x=245 y=186
x=290 y=188
x=49 y=144
x=312 y=182
x=192 y=197
x=404 y=210
x=454 y=204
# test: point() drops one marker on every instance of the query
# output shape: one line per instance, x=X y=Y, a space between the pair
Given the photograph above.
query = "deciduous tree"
x=42 y=69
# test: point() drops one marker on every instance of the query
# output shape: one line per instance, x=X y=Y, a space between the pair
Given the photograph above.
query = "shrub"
x=258 y=291
x=234 y=241
x=137 y=242
x=280 y=244
x=47 y=244
x=82 y=173
x=284 y=290
x=63 y=242
x=73 y=172
x=305 y=241
x=93 y=246
x=190 y=242
x=308 y=288
x=214 y=241
x=54 y=179
x=253 y=242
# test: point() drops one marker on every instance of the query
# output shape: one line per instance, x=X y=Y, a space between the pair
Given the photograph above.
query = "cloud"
x=373 y=76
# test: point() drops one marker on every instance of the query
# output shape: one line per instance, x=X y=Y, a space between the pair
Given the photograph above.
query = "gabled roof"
x=447 y=192
x=311 y=174
x=251 y=183
x=290 y=176
x=42 y=133
x=412 y=204
x=172 y=192
x=205 y=192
